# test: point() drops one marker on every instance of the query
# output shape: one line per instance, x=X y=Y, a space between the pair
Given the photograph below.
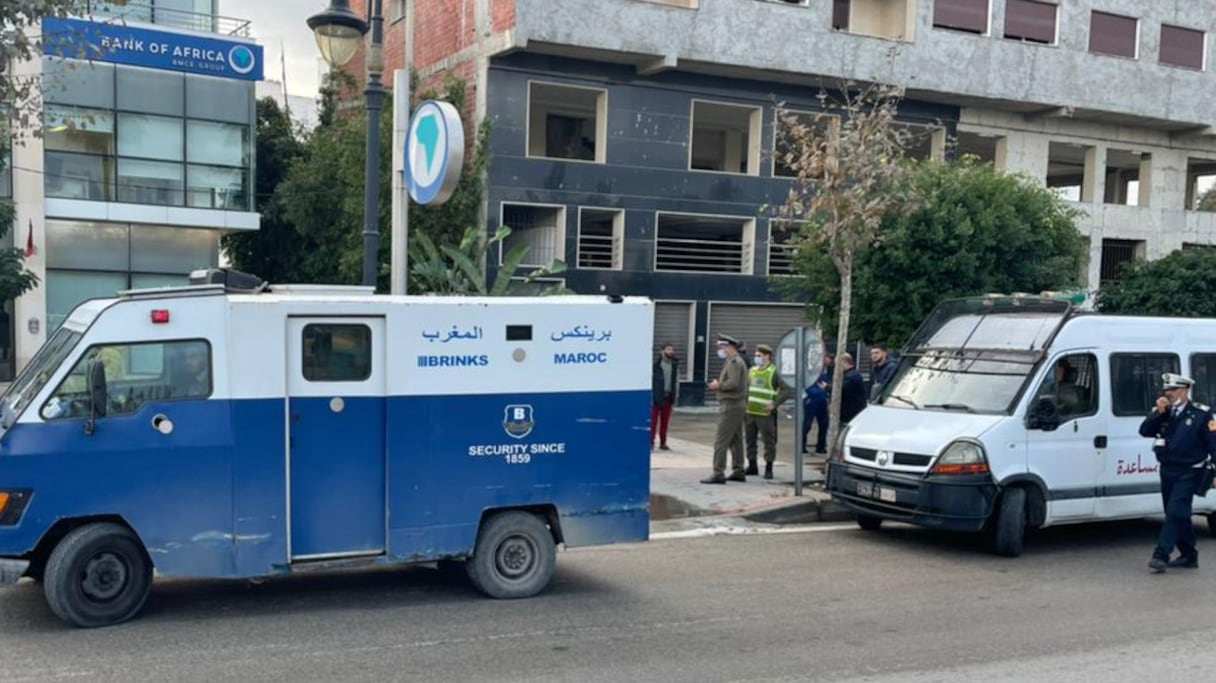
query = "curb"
x=801 y=512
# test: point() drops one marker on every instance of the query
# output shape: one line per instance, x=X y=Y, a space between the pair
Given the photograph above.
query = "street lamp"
x=338 y=31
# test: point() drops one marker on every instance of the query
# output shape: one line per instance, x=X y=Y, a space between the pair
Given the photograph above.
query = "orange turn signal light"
x=3 y=501
x=969 y=468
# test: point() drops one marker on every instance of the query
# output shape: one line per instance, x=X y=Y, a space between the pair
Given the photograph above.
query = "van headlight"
x=964 y=456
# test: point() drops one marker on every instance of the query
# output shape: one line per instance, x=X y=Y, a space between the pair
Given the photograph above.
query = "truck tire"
x=514 y=557
x=869 y=522
x=1009 y=530
x=98 y=575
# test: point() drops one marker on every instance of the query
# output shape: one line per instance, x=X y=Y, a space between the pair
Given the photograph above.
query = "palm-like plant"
x=460 y=269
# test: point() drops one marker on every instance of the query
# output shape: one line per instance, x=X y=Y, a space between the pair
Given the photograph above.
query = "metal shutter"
x=673 y=325
x=752 y=323
x=965 y=15
x=1112 y=34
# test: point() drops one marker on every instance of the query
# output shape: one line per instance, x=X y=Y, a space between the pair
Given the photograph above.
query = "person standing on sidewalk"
x=1184 y=436
x=765 y=392
x=884 y=369
x=815 y=408
x=731 y=387
x=853 y=393
x=665 y=381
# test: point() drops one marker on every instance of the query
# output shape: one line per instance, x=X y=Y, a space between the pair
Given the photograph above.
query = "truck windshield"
x=969 y=383
x=36 y=374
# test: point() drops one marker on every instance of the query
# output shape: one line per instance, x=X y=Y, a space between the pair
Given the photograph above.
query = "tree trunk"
x=842 y=341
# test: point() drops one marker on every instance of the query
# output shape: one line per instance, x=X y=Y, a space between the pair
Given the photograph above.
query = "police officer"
x=765 y=392
x=731 y=387
x=1184 y=435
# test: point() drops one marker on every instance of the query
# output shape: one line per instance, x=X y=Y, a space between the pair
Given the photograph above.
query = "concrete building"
x=635 y=138
x=145 y=160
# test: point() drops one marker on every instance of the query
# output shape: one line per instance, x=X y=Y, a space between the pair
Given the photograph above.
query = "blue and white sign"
x=434 y=152
x=170 y=51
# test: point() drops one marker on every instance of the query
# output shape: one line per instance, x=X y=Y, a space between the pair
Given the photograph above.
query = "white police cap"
x=1172 y=381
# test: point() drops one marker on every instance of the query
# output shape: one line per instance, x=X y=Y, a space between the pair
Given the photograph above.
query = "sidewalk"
x=677 y=491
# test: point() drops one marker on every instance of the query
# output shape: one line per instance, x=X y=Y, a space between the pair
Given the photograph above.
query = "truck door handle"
x=1100 y=442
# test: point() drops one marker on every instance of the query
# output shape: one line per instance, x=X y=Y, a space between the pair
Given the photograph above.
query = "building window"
x=1111 y=34
x=1066 y=170
x=542 y=229
x=890 y=19
x=704 y=244
x=1031 y=21
x=962 y=15
x=601 y=238
x=781 y=250
x=784 y=143
x=922 y=141
x=566 y=122
x=1182 y=47
x=840 y=15
x=1123 y=171
x=396 y=10
x=1115 y=253
x=725 y=138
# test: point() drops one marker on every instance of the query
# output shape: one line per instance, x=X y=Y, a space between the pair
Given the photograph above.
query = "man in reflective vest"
x=765 y=391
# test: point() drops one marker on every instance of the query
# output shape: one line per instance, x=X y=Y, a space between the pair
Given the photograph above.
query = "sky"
x=278 y=25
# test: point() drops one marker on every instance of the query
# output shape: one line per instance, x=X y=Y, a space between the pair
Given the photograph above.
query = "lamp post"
x=339 y=31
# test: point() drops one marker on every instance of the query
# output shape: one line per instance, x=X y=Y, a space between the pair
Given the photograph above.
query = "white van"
x=1015 y=411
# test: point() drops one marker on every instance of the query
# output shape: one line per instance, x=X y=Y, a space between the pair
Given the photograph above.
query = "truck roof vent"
x=232 y=280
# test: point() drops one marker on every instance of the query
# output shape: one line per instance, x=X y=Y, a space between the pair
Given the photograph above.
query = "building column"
x=29 y=310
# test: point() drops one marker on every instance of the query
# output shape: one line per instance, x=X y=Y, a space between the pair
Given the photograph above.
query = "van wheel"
x=98 y=575
x=869 y=522
x=1010 y=528
x=514 y=557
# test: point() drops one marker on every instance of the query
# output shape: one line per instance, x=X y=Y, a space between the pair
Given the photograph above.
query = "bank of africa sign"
x=124 y=44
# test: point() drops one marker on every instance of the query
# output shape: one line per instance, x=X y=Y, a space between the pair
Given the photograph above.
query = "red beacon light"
x=160 y=316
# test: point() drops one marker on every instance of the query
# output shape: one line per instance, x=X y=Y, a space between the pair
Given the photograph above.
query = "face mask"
x=722 y=353
x=759 y=360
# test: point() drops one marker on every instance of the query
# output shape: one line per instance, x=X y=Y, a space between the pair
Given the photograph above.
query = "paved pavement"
x=678 y=495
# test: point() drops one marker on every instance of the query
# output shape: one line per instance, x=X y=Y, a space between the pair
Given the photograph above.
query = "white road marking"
x=739 y=530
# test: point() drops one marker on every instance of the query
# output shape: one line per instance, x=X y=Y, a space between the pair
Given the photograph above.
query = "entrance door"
x=336 y=427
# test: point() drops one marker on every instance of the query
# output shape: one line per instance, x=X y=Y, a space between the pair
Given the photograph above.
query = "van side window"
x=135 y=374
x=1137 y=380
x=337 y=353
x=1072 y=385
x=1203 y=371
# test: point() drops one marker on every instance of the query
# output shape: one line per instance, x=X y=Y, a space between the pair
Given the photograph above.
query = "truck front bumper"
x=11 y=570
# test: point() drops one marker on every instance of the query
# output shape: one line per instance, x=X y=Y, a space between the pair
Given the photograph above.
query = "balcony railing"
x=191 y=21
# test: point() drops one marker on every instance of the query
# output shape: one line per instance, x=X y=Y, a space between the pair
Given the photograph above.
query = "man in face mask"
x=731 y=387
x=1184 y=436
x=765 y=392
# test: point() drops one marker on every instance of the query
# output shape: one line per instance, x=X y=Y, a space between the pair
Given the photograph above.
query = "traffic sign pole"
x=400 y=258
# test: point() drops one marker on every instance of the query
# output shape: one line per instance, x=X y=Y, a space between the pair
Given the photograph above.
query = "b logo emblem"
x=517 y=421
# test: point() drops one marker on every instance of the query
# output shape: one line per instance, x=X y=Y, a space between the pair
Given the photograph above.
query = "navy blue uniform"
x=1190 y=437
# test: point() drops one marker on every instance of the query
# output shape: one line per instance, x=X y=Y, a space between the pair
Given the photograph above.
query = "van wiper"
x=905 y=399
x=952 y=406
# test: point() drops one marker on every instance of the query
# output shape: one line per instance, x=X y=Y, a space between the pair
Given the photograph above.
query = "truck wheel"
x=98 y=575
x=1010 y=528
x=869 y=522
x=514 y=557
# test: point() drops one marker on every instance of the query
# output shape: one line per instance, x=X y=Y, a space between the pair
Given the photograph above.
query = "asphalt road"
x=832 y=604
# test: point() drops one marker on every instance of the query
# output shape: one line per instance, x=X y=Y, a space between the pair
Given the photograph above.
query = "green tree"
x=321 y=197
x=973 y=230
x=1180 y=284
x=460 y=269
x=275 y=252
x=20 y=96
x=1207 y=200
x=15 y=280
x=848 y=176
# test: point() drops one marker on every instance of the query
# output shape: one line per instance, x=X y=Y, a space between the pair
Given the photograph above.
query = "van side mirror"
x=1044 y=415
x=98 y=396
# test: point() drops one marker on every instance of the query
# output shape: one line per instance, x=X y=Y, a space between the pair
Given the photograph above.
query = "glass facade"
x=89 y=260
x=141 y=136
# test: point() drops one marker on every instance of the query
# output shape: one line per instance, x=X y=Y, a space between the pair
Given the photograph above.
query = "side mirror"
x=1044 y=415
x=98 y=396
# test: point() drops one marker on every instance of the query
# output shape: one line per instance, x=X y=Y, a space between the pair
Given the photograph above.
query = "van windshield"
x=946 y=380
x=35 y=375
